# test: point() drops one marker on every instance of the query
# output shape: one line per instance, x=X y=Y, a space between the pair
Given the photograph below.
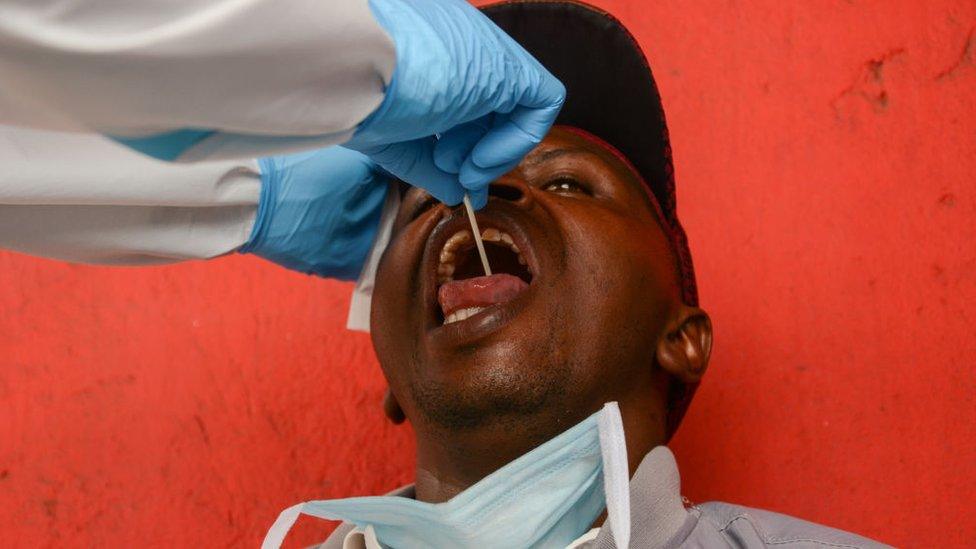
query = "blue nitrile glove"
x=458 y=75
x=319 y=211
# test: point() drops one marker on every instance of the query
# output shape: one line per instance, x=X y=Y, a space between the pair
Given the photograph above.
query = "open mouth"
x=462 y=289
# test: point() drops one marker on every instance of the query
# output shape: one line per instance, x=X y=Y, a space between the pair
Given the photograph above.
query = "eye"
x=565 y=185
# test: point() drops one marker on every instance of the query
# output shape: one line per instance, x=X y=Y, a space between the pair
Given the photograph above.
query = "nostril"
x=506 y=191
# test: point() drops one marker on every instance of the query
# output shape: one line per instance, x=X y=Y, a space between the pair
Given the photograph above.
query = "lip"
x=493 y=317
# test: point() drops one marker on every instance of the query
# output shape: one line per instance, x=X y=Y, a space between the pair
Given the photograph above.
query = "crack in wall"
x=869 y=84
x=966 y=58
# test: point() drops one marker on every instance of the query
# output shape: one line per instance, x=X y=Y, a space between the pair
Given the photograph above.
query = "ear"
x=392 y=408
x=684 y=349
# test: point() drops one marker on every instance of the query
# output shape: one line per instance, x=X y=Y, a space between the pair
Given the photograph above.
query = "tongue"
x=479 y=292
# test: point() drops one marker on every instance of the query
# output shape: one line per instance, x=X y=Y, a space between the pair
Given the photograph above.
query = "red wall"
x=827 y=179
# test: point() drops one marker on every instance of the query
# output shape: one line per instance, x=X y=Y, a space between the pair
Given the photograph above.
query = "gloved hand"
x=319 y=211
x=457 y=74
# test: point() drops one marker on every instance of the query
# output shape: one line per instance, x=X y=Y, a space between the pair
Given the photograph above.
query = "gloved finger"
x=516 y=133
x=455 y=145
x=539 y=106
x=479 y=198
x=475 y=176
x=477 y=179
x=500 y=150
x=413 y=162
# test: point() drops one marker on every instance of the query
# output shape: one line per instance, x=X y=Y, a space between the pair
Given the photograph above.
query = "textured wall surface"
x=827 y=179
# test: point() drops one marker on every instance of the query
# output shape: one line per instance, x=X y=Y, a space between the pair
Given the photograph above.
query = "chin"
x=489 y=394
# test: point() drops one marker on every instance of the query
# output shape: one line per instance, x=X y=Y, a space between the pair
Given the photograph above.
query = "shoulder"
x=755 y=527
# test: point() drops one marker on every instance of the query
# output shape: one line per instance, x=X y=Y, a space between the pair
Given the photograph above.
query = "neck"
x=450 y=462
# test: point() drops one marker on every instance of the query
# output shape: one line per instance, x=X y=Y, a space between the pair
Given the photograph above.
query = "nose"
x=511 y=189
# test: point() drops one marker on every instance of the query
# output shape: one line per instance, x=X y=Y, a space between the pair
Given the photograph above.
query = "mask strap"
x=276 y=534
x=616 y=473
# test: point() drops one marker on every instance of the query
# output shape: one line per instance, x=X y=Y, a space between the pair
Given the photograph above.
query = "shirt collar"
x=657 y=511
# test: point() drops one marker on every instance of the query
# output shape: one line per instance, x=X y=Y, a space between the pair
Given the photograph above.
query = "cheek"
x=389 y=289
x=619 y=297
x=393 y=310
x=618 y=255
x=398 y=276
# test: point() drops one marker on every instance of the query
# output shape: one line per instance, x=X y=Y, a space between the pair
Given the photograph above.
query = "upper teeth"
x=461 y=239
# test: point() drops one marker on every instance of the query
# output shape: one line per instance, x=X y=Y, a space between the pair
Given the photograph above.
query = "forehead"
x=565 y=141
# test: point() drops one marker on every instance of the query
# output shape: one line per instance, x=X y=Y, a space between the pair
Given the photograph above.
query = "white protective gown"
x=309 y=70
x=84 y=198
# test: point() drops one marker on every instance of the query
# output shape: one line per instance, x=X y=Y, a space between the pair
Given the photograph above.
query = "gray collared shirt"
x=659 y=519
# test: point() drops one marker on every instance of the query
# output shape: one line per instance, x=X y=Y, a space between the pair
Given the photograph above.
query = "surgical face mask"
x=546 y=498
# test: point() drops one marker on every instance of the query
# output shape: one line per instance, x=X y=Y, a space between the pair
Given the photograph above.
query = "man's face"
x=601 y=285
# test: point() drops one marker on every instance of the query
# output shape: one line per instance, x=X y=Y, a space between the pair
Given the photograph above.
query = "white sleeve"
x=83 y=198
x=277 y=68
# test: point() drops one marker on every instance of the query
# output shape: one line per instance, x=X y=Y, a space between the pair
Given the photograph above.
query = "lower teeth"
x=462 y=314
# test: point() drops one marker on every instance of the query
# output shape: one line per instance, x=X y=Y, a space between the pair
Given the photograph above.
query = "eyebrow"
x=552 y=154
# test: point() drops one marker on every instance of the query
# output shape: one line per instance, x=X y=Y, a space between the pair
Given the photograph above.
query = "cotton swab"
x=477 y=234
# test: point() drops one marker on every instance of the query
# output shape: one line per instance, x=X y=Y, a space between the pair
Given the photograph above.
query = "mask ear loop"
x=616 y=473
x=286 y=519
